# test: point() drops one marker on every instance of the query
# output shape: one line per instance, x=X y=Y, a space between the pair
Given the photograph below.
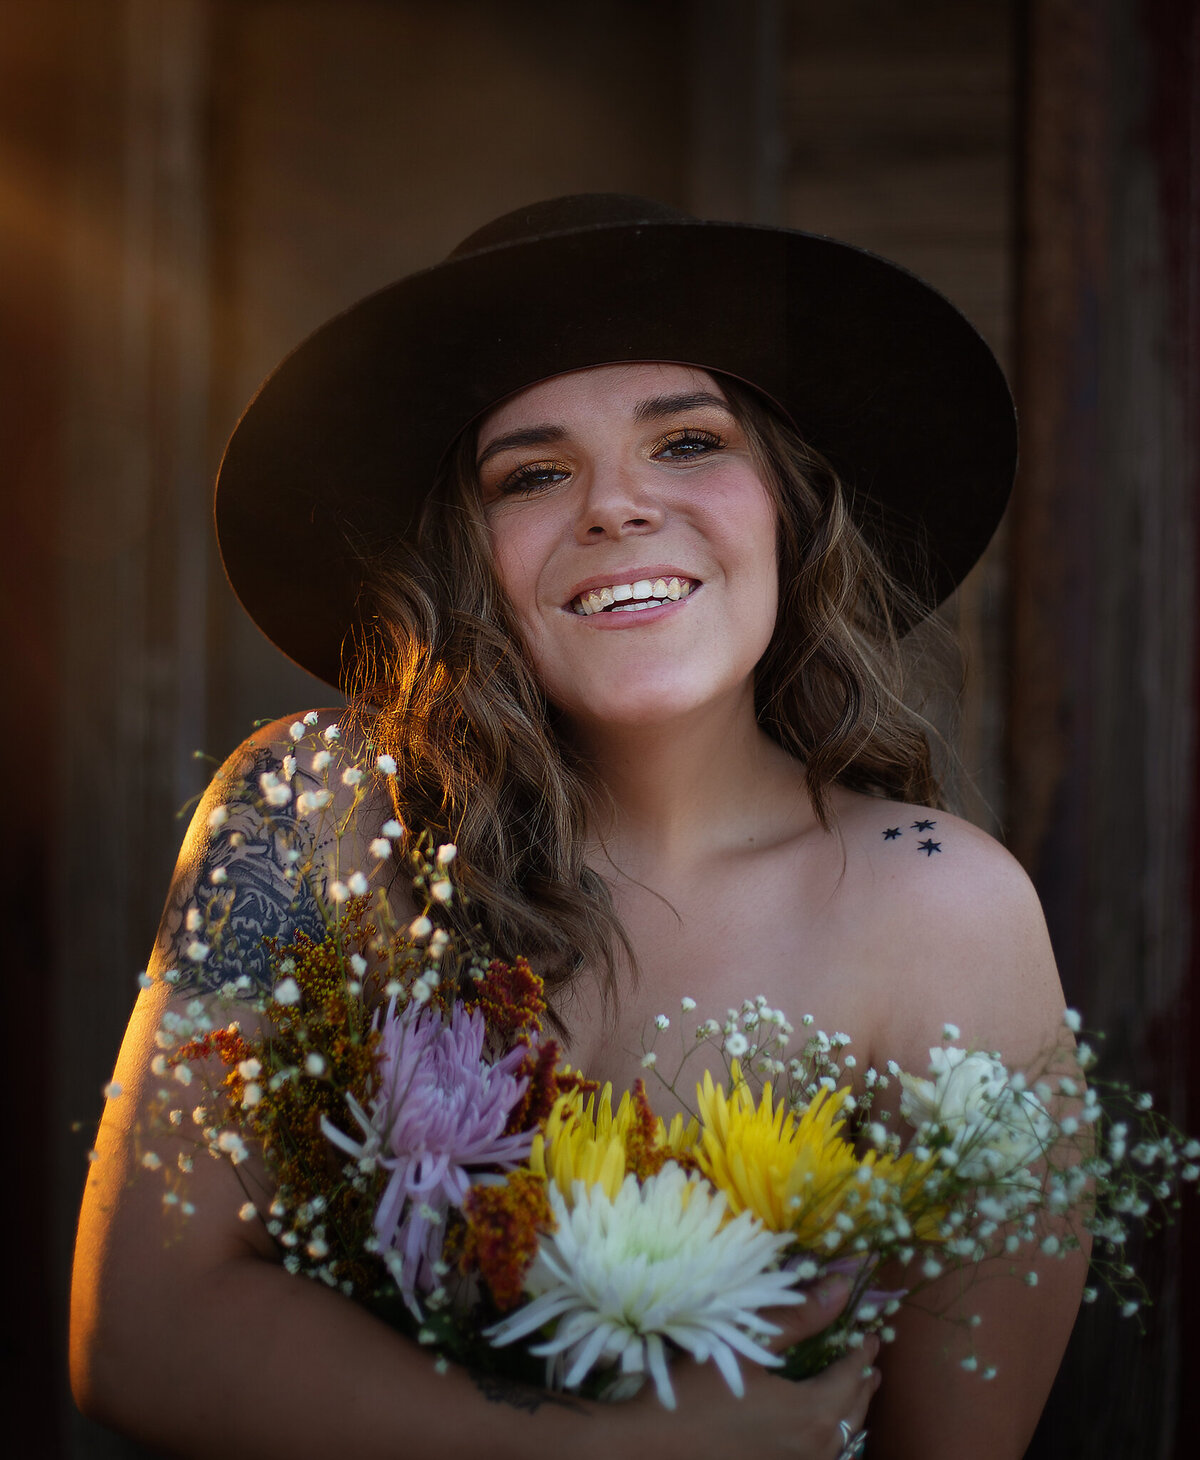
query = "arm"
x=969 y=945
x=189 y=1335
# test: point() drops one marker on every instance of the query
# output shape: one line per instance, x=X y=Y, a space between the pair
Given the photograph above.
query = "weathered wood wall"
x=898 y=126
x=1102 y=716
x=34 y=147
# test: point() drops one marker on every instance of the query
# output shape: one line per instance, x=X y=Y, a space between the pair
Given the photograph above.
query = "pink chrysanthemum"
x=436 y=1122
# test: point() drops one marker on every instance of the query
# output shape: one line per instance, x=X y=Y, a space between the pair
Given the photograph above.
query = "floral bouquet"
x=425 y=1150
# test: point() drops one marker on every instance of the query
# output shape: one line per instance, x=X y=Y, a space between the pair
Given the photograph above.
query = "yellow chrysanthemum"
x=680 y=1137
x=588 y=1143
x=800 y=1174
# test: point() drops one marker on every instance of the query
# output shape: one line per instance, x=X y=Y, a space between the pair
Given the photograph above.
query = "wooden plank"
x=133 y=528
x=736 y=145
x=34 y=143
x=898 y=126
x=1102 y=709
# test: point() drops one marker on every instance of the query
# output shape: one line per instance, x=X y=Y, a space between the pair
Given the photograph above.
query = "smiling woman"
x=620 y=601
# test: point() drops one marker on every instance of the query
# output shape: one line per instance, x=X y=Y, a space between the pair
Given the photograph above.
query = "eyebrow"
x=658 y=406
x=654 y=408
x=514 y=440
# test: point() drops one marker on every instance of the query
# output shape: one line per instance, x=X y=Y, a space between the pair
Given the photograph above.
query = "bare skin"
x=728 y=886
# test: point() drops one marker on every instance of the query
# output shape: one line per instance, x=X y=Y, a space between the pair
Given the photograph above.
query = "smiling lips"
x=631 y=597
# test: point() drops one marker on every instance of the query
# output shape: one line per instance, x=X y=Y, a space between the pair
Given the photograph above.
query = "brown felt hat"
x=875 y=369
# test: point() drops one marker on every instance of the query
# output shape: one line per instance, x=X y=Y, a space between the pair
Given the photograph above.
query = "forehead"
x=617 y=389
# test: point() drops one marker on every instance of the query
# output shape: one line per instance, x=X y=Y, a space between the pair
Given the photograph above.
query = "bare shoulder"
x=954 y=926
x=926 y=859
x=270 y=832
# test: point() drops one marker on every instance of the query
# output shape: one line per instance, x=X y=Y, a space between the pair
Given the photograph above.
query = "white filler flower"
x=622 y=1277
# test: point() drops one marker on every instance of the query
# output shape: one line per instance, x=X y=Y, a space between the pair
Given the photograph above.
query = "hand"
x=825 y=1302
x=776 y=1416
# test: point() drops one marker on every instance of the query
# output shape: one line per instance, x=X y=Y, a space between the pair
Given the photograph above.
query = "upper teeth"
x=645 y=593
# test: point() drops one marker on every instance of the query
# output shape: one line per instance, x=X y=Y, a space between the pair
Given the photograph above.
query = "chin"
x=659 y=704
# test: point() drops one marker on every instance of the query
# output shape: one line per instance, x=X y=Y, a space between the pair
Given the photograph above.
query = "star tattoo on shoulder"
x=891 y=833
x=929 y=846
x=923 y=825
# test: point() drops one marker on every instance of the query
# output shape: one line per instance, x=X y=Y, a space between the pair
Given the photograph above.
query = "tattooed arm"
x=248 y=870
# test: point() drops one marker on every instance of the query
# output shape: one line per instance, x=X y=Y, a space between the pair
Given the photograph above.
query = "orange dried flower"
x=572 y=1080
x=501 y=1236
x=228 y=1045
x=543 y=1090
x=645 y=1153
x=512 y=999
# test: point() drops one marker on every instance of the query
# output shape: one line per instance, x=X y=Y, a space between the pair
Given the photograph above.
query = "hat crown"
x=562 y=215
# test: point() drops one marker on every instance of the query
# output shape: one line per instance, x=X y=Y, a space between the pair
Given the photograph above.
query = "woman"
x=637 y=658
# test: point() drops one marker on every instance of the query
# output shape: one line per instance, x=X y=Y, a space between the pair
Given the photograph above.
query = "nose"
x=618 y=502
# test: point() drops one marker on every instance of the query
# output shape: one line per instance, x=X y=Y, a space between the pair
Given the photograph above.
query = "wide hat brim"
x=335 y=456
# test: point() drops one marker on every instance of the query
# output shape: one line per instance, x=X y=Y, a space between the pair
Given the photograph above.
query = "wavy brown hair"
x=446 y=688
x=830 y=688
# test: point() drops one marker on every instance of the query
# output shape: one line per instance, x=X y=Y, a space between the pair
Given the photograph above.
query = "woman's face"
x=619 y=486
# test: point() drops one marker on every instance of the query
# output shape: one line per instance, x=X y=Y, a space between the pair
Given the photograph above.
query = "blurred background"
x=188 y=186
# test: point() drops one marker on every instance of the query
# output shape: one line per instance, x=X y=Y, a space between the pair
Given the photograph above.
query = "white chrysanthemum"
x=619 y=1278
x=997 y=1128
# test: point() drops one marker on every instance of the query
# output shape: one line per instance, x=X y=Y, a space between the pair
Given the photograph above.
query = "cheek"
x=511 y=560
x=769 y=613
x=760 y=534
x=762 y=539
x=772 y=567
x=518 y=563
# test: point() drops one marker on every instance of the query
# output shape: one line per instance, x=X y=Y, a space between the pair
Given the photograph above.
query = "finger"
x=823 y=1302
x=848 y=1386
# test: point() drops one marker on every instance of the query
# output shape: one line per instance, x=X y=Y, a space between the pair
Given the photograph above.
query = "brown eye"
x=687 y=445
x=535 y=476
